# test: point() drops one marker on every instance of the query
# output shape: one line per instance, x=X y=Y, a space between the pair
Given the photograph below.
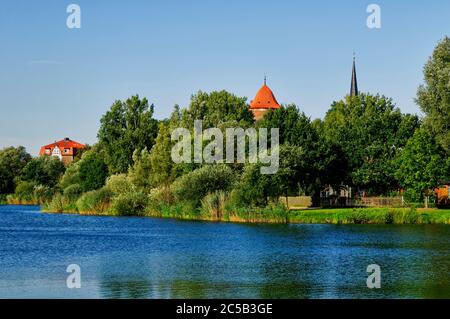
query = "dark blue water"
x=158 y=258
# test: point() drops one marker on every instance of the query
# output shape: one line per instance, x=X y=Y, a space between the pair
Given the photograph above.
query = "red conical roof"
x=264 y=99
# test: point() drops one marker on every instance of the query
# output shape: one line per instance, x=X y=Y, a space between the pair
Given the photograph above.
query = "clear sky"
x=57 y=82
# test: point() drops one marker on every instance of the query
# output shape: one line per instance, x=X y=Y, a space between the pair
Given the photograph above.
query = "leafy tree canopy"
x=215 y=108
x=422 y=165
x=44 y=170
x=12 y=161
x=434 y=96
x=128 y=126
x=92 y=171
x=371 y=131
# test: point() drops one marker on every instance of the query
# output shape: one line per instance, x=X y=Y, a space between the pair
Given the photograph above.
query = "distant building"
x=443 y=196
x=263 y=102
x=354 y=86
x=65 y=150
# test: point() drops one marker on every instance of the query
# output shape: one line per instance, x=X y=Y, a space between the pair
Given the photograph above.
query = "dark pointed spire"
x=354 y=87
x=265 y=79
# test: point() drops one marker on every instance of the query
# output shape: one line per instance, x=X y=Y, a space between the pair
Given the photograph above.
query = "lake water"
x=161 y=258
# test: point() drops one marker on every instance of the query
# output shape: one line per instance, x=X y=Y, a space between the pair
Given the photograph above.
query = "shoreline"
x=319 y=216
x=335 y=216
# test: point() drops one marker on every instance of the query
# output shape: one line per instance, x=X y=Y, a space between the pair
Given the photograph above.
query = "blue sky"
x=57 y=82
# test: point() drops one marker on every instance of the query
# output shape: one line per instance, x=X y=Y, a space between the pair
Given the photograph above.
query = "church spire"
x=354 y=87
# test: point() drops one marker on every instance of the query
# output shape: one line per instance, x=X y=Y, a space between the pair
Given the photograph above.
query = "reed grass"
x=370 y=216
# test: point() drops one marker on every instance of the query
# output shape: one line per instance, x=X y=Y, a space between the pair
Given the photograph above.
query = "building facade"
x=65 y=150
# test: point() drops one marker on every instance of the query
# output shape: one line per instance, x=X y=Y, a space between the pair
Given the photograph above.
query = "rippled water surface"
x=159 y=258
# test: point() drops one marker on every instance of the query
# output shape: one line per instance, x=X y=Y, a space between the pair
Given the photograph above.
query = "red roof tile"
x=65 y=144
x=264 y=99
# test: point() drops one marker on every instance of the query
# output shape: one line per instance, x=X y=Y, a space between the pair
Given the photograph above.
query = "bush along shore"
x=111 y=200
x=119 y=197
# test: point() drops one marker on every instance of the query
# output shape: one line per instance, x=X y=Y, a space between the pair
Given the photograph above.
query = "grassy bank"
x=21 y=201
x=272 y=214
x=313 y=216
x=277 y=214
x=371 y=216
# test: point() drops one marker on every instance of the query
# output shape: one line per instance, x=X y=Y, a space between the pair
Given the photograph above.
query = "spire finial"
x=265 y=79
x=354 y=86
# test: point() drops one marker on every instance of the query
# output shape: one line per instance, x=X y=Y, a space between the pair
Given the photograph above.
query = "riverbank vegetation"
x=371 y=216
x=365 y=142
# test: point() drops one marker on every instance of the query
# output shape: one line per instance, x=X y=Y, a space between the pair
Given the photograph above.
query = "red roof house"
x=65 y=150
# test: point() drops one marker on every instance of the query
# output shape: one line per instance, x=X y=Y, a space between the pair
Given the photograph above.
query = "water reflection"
x=155 y=258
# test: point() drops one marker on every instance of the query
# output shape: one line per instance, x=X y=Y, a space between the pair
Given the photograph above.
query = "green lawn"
x=370 y=216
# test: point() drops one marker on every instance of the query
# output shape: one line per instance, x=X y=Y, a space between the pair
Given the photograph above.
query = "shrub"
x=162 y=194
x=252 y=189
x=73 y=192
x=213 y=204
x=97 y=201
x=42 y=194
x=119 y=184
x=71 y=175
x=194 y=186
x=25 y=190
x=130 y=204
x=159 y=197
x=58 y=204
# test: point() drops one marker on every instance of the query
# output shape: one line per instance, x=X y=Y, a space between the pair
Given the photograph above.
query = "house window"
x=56 y=151
x=66 y=151
x=47 y=151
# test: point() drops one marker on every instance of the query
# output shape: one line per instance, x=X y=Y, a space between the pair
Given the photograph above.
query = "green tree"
x=127 y=127
x=92 y=171
x=323 y=160
x=44 y=170
x=370 y=131
x=12 y=162
x=423 y=165
x=252 y=189
x=141 y=171
x=71 y=175
x=155 y=168
x=434 y=96
x=160 y=157
x=295 y=127
x=215 y=108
